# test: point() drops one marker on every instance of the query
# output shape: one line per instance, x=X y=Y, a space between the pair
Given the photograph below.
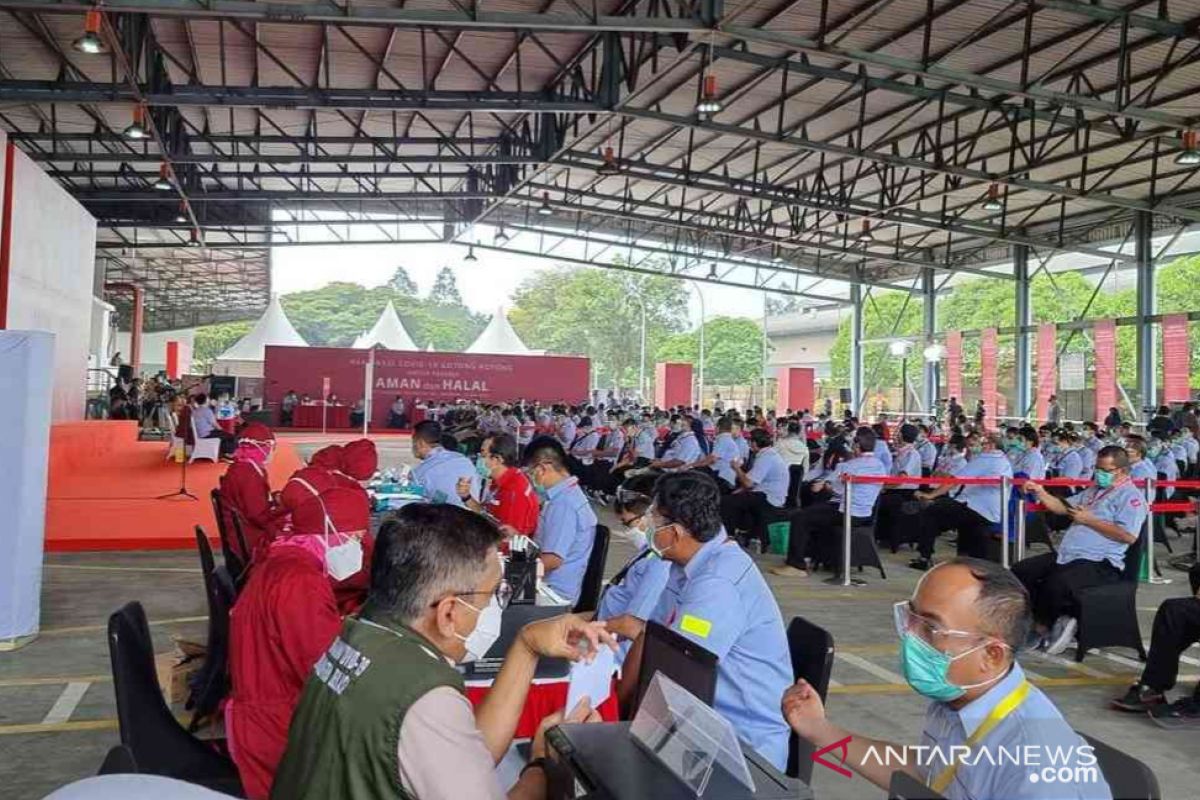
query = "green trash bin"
x=779 y=533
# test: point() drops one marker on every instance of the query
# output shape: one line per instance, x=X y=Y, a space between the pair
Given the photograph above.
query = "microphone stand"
x=182 y=492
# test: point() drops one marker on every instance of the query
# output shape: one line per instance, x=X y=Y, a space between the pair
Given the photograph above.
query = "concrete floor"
x=44 y=742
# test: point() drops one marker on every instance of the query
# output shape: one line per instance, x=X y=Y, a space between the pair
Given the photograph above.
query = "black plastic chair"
x=1128 y=778
x=811 y=649
x=1108 y=614
x=233 y=562
x=905 y=787
x=593 y=577
x=157 y=742
x=210 y=684
x=118 y=761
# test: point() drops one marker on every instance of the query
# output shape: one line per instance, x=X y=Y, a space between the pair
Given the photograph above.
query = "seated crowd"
x=344 y=642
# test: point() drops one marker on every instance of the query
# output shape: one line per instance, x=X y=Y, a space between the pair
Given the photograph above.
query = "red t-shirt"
x=513 y=502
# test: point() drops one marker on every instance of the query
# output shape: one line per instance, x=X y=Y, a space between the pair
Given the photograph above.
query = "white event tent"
x=499 y=338
x=388 y=333
x=245 y=358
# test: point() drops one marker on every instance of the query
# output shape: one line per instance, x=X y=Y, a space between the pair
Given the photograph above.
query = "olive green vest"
x=344 y=735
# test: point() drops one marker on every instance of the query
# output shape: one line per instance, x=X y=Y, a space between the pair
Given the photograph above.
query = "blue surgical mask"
x=927 y=669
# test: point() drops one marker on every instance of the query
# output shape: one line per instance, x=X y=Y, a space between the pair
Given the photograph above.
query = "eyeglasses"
x=909 y=621
x=503 y=594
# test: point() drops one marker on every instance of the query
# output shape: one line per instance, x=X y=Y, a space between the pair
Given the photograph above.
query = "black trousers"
x=816 y=533
x=795 y=478
x=228 y=441
x=1054 y=588
x=746 y=511
x=1176 y=628
x=397 y=420
x=945 y=514
x=890 y=526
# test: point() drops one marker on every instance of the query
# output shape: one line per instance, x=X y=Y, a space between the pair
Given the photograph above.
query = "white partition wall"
x=51 y=275
x=26 y=382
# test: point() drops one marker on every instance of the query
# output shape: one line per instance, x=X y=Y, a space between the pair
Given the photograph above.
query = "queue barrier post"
x=1021 y=527
x=1005 y=493
x=847 y=532
x=1149 y=568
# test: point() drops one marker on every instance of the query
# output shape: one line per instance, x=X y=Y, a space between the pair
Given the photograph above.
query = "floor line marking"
x=66 y=703
x=59 y=727
x=1091 y=672
x=1129 y=662
x=867 y=666
x=114 y=568
x=104 y=626
x=52 y=680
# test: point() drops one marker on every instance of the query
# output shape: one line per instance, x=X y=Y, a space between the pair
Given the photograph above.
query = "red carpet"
x=103 y=483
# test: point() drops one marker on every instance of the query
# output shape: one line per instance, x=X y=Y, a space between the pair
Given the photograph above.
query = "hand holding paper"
x=592 y=680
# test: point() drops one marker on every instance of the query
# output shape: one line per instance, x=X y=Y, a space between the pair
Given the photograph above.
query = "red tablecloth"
x=417 y=415
x=544 y=699
x=228 y=425
x=310 y=416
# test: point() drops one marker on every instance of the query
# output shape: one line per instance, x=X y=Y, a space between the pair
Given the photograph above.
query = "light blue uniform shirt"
x=984 y=500
x=585 y=444
x=1069 y=464
x=438 y=475
x=615 y=441
x=743 y=445
x=1192 y=447
x=862 y=498
x=928 y=451
x=685 y=448
x=638 y=592
x=1088 y=456
x=1035 y=724
x=1141 y=470
x=1165 y=463
x=567 y=528
x=1123 y=505
x=884 y=454
x=1032 y=463
x=720 y=601
x=726 y=450
x=645 y=443
x=770 y=476
x=908 y=461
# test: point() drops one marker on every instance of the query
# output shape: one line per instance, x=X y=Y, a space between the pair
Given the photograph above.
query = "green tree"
x=732 y=350
x=445 y=288
x=401 y=283
x=1178 y=290
x=586 y=311
x=212 y=340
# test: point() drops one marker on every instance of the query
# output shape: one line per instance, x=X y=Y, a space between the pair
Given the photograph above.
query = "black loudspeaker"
x=221 y=384
x=125 y=372
x=844 y=395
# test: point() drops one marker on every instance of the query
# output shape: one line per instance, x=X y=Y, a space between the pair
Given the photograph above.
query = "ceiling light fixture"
x=501 y=237
x=91 y=43
x=195 y=240
x=864 y=233
x=993 y=201
x=164 y=178
x=777 y=256
x=610 y=166
x=712 y=272
x=544 y=209
x=1189 y=156
x=181 y=214
x=137 y=128
x=470 y=257
x=709 y=104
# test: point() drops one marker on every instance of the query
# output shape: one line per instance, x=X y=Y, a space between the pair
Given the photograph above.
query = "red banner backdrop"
x=987 y=378
x=954 y=365
x=1104 y=340
x=1176 y=358
x=424 y=376
x=1047 y=367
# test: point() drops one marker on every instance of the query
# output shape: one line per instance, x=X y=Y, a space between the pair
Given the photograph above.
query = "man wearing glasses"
x=989 y=733
x=566 y=527
x=384 y=714
x=1105 y=519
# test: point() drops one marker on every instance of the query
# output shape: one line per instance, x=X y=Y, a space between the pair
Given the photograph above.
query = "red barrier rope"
x=939 y=480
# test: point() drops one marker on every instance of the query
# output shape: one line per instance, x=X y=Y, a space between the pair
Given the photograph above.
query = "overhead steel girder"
x=251 y=140
x=934 y=72
x=184 y=95
x=332 y=13
x=906 y=162
x=285 y=158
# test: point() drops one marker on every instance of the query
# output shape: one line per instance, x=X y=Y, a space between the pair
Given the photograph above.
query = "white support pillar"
x=1147 y=378
x=1024 y=376
x=856 y=358
x=929 y=313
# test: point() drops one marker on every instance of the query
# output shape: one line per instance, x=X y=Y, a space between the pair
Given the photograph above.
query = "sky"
x=484 y=284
